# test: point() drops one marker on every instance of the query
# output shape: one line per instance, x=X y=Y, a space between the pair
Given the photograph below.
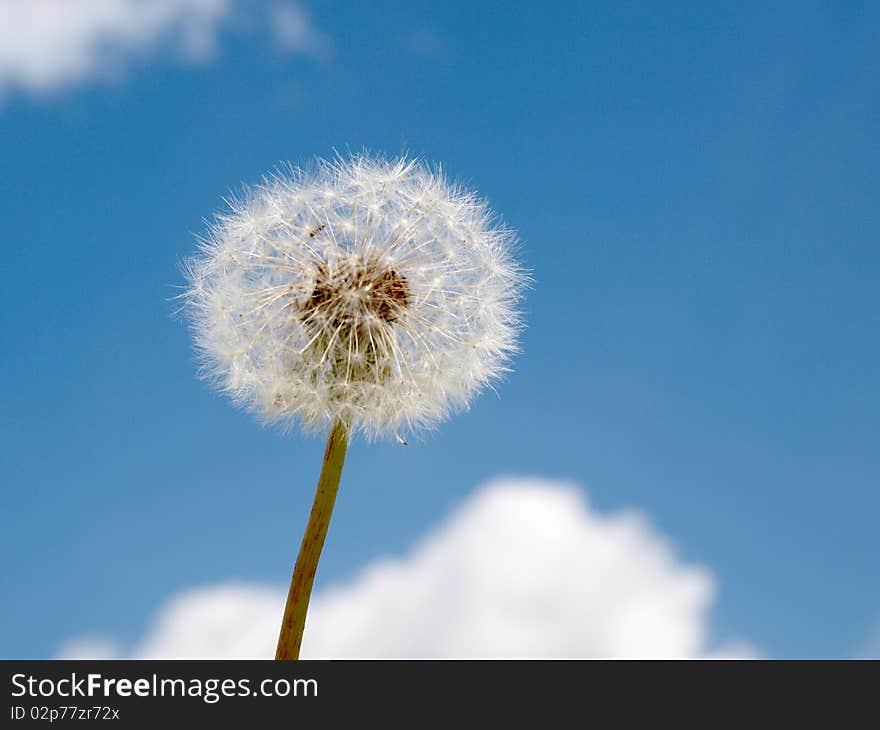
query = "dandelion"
x=362 y=296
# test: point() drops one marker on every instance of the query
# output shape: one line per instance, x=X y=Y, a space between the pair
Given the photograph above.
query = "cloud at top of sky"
x=46 y=45
x=523 y=568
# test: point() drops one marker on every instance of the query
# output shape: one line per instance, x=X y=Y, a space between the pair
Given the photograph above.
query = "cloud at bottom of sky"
x=524 y=567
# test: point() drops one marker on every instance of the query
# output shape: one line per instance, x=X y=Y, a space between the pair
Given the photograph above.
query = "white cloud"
x=88 y=647
x=294 y=31
x=870 y=647
x=524 y=568
x=49 y=44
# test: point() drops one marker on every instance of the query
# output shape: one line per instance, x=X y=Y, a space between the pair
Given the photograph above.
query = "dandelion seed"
x=366 y=296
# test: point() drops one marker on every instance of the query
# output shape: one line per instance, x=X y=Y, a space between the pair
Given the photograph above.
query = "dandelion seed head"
x=371 y=291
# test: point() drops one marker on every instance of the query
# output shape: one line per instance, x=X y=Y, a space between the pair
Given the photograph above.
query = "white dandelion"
x=369 y=292
x=363 y=295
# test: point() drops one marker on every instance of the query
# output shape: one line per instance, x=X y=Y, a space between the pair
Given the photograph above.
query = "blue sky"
x=696 y=190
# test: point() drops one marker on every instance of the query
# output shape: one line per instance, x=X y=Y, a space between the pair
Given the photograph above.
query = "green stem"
x=290 y=638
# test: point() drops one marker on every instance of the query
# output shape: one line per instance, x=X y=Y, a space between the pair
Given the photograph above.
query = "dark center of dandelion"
x=348 y=317
x=355 y=294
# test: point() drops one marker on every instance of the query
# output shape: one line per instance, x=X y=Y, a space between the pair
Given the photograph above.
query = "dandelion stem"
x=290 y=638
